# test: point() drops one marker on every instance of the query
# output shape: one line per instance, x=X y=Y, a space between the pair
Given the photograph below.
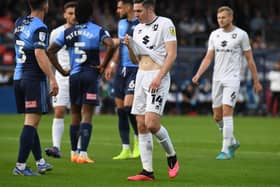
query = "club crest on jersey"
x=155 y=27
x=234 y=35
x=172 y=31
x=42 y=36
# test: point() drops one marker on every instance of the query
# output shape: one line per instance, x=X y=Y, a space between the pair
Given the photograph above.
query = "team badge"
x=172 y=31
x=234 y=35
x=42 y=36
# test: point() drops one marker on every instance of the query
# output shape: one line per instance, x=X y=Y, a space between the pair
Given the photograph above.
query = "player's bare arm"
x=44 y=63
x=171 y=54
x=132 y=56
x=253 y=69
x=108 y=42
x=114 y=60
x=203 y=66
x=52 y=51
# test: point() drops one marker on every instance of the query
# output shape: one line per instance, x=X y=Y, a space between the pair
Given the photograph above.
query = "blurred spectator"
x=257 y=23
x=189 y=103
x=205 y=97
x=274 y=77
x=258 y=42
x=6 y=77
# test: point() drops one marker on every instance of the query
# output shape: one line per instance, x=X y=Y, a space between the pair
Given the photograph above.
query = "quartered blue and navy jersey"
x=83 y=43
x=126 y=27
x=30 y=33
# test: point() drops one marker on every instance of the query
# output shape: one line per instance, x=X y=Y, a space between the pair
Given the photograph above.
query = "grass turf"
x=196 y=140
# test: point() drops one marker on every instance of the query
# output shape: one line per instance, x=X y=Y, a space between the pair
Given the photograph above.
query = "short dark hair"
x=70 y=4
x=36 y=4
x=127 y=1
x=83 y=11
x=146 y=2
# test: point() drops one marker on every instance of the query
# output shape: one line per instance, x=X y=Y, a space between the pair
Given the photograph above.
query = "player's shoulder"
x=58 y=29
x=239 y=30
x=164 y=20
x=37 y=22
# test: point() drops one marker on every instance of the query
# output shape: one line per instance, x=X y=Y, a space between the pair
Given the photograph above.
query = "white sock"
x=227 y=133
x=41 y=161
x=165 y=141
x=220 y=125
x=125 y=146
x=73 y=153
x=83 y=154
x=21 y=166
x=146 y=151
x=79 y=143
x=57 y=131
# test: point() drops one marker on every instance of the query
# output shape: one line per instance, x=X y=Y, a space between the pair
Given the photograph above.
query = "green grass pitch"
x=196 y=140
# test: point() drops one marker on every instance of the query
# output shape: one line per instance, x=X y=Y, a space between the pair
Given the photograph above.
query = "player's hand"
x=108 y=73
x=195 y=79
x=53 y=87
x=155 y=84
x=66 y=73
x=100 y=69
x=126 y=40
x=258 y=87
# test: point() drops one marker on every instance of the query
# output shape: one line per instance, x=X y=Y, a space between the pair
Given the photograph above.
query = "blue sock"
x=74 y=136
x=85 y=130
x=26 y=142
x=132 y=119
x=123 y=126
x=36 y=149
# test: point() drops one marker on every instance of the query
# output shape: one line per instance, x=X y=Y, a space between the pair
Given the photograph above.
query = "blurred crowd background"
x=194 y=21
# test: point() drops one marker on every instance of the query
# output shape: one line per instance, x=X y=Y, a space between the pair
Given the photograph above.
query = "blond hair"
x=225 y=8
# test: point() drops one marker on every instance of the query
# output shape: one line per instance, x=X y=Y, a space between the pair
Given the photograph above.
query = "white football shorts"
x=63 y=97
x=145 y=101
x=225 y=93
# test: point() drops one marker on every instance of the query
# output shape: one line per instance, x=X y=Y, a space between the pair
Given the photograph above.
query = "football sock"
x=57 y=131
x=146 y=151
x=74 y=136
x=20 y=166
x=220 y=125
x=125 y=146
x=26 y=143
x=165 y=141
x=85 y=133
x=227 y=133
x=123 y=126
x=171 y=161
x=132 y=119
x=36 y=149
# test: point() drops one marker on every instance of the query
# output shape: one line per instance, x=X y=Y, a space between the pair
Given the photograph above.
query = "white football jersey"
x=228 y=48
x=62 y=54
x=150 y=38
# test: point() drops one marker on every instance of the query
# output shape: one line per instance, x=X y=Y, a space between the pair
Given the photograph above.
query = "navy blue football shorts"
x=31 y=96
x=84 y=88
x=124 y=82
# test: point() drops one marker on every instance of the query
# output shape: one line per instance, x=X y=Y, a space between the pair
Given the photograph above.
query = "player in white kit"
x=62 y=100
x=154 y=48
x=229 y=45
